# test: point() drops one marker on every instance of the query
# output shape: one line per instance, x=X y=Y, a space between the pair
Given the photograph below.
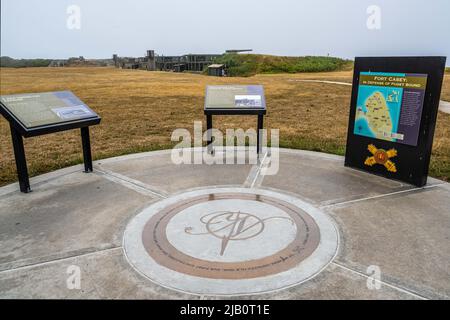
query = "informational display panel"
x=36 y=114
x=393 y=114
x=235 y=97
x=42 y=109
x=389 y=106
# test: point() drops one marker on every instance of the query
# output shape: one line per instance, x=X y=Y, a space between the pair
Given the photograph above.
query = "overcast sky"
x=38 y=28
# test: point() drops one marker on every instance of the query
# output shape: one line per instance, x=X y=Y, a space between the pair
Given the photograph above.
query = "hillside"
x=245 y=65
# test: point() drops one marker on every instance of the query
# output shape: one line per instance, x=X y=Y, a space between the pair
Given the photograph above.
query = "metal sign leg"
x=86 y=141
x=21 y=162
x=209 y=133
x=259 y=133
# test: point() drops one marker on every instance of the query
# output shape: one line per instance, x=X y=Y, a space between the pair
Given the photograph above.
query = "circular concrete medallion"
x=230 y=241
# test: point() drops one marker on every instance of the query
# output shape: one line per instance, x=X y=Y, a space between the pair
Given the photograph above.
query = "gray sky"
x=38 y=28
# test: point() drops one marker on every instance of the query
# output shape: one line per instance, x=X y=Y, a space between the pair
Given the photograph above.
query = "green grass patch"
x=245 y=65
x=303 y=143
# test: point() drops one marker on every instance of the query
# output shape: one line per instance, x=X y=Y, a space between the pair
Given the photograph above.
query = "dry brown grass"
x=140 y=109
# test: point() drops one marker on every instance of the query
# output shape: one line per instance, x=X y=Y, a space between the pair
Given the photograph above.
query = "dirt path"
x=444 y=106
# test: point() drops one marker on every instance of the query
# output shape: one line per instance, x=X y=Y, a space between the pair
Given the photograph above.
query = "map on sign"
x=235 y=97
x=40 y=109
x=389 y=106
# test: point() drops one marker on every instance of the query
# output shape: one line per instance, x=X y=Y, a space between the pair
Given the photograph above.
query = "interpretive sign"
x=235 y=100
x=235 y=97
x=36 y=114
x=389 y=106
x=393 y=114
x=40 y=109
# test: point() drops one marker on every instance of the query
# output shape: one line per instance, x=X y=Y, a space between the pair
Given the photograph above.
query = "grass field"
x=140 y=109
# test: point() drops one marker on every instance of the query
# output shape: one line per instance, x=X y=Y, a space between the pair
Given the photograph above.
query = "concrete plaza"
x=77 y=219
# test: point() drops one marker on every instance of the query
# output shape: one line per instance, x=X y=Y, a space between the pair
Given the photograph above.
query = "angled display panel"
x=42 y=109
x=36 y=114
x=393 y=114
x=235 y=97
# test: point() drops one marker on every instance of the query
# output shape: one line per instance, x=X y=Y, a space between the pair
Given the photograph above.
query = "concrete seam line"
x=380 y=281
x=130 y=183
x=127 y=184
x=258 y=173
x=377 y=196
x=253 y=174
x=59 y=260
x=250 y=177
